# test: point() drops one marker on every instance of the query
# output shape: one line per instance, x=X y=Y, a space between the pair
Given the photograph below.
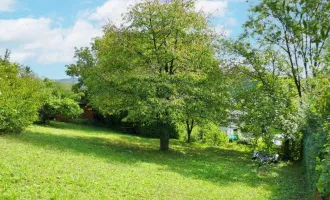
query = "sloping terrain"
x=66 y=161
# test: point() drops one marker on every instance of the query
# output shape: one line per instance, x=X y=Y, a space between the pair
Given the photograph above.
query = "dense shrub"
x=315 y=137
x=109 y=121
x=323 y=171
x=20 y=97
x=244 y=141
x=59 y=101
x=211 y=134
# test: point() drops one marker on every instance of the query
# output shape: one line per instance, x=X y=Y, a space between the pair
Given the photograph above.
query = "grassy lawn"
x=66 y=161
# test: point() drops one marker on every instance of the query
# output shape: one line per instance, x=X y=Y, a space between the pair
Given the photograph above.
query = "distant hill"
x=67 y=80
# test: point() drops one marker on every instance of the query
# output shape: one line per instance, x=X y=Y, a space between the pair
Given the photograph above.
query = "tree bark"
x=164 y=136
x=301 y=152
x=189 y=129
x=286 y=152
x=189 y=137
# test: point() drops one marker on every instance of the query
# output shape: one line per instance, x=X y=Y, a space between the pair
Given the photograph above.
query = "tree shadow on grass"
x=77 y=127
x=219 y=166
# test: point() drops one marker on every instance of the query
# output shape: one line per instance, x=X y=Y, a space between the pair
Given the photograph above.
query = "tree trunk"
x=286 y=152
x=189 y=136
x=301 y=152
x=189 y=129
x=42 y=116
x=164 y=136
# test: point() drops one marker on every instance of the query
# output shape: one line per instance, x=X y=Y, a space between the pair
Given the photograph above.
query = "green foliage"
x=244 y=141
x=323 y=168
x=66 y=161
x=299 y=30
x=152 y=131
x=314 y=141
x=211 y=134
x=318 y=156
x=161 y=68
x=59 y=101
x=110 y=120
x=20 y=97
x=264 y=102
x=152 y=77
x=316 y=133
x=86 y=59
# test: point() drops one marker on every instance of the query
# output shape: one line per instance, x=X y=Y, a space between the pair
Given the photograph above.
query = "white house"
x=230 y=129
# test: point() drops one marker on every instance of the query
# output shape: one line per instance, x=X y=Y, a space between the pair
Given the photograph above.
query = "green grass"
x=66 y=161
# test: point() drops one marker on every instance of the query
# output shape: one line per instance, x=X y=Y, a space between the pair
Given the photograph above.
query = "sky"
x=42 y=34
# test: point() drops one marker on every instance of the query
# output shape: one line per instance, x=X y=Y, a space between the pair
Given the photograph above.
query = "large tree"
x=157 y=66
x=266 y=98
x=298 y=29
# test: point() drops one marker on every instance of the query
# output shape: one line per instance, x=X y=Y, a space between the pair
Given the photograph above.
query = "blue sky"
x=43 y=33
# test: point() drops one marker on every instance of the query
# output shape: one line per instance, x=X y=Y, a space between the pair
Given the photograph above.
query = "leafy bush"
x=244 y=141
x=20 y=97
x=315 y=137
x=211 y=134
x=59 y=101
x=109 y=120
x=323 y=169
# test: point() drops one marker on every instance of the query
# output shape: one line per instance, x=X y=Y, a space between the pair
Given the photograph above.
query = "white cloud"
x=214 y=8
x=7 y=5
x=20 y=56
x=22 y=29
x=44 y=41
x=112 y=11
x=37 y=39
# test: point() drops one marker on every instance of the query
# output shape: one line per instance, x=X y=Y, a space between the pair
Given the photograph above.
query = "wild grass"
x=65 y=161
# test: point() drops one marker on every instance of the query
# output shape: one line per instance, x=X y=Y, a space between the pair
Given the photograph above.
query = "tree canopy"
x=20 y=96
x=160 y=66
x=298 y=30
